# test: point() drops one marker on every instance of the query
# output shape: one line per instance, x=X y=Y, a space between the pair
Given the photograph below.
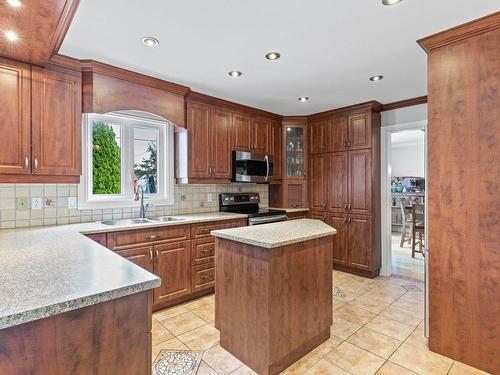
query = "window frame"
x=127 y=121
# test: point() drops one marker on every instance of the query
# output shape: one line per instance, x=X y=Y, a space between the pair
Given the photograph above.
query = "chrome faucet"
x=139 y=194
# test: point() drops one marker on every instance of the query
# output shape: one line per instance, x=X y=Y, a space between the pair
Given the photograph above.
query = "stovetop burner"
x=245 y=203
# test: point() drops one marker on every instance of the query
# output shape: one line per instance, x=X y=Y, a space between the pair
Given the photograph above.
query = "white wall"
x=405 y=115
x=407 y=161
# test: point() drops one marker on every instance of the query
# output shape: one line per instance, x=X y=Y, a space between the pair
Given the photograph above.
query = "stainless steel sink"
x=126 y=221
x=164 y=219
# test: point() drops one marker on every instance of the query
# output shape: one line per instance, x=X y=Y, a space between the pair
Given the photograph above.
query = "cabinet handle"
x=35 y=164
x=349 y=207
x=345 y=219
x=157 y=253
x=154 y=237
x=213 y=170
x=350 y=219
x=324 y=205
x=151 y=255
x=345 y=142
x=26 y=161
x=348 y=143
x=345 y=206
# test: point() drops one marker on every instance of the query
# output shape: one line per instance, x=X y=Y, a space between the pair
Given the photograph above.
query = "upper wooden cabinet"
x=359 y=132
x=320 y=134
x=41 y=121
x=339 y=133
x=56 y=123
x=15 y=117
x=251 y=134
x=276 y=151
x=209 y=142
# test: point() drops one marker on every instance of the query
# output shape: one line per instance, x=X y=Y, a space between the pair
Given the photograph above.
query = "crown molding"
x=461 y=32
x=372 y=105
x=405 y=103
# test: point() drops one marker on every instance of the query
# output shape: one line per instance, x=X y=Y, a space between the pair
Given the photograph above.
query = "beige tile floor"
x=377 y=329
x=402 y=263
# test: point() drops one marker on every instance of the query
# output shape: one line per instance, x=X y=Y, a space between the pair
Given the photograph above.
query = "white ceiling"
x=329 y=48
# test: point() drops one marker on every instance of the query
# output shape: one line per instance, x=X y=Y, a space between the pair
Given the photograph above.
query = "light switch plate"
x=36 y=203
x=209 y=197
x=72 y=202
x=22 y=203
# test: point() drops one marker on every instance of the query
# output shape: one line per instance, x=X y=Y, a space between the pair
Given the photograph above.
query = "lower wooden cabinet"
x=183 y=256
x=296 y=215
x=360 y=243
x=340 y=240
x=171 y=263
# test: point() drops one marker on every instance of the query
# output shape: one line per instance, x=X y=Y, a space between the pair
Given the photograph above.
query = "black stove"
x=248 y=203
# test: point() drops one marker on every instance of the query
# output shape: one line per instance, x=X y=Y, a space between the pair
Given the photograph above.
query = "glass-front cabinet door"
x=295 y=152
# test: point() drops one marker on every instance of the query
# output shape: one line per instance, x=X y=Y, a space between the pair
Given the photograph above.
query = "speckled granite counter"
x=290 y=210
x=277 y=234
x=50 y=270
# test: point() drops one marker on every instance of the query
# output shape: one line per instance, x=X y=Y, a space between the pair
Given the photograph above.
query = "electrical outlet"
x=36 y=203
x=49 y=203
x=209 y=197
x=72 y=202
x=22 y=203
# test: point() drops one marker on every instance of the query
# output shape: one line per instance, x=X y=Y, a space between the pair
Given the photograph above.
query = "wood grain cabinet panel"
x=260 y=135
x=320 y=135
x=359 y=131
x=172 y=265
x=199 y=140
x=221 y=144
x=56 y=122
x=276 y=150
x=131 y=238
x=142 y=256
x=100 y=238
x=296 y=215
x=202 y=251
x=360 y=243
x=340 y=240
x=242 y=128
x=203 y=277
x=339 y=139
x=337 y=181
x=318 y=184
x=15 y=115
x=360 y=170
x=318 y=215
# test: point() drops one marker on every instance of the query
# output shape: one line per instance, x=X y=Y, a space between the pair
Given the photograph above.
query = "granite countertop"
x=277 y=234
x=50 y=270
x=290 y=210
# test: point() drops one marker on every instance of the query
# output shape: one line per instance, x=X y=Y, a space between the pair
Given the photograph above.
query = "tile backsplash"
x=54 y=203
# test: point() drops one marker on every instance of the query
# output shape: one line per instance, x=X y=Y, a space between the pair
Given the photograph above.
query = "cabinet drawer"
x=202 y=277
x=129 y=238
x=202 y=251
x=203 y=229
x=98 y=237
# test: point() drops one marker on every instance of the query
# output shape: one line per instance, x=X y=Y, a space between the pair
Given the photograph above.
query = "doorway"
x=403 y=200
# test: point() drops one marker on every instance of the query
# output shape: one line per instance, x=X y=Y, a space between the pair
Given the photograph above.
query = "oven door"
x=266 y=219
x=250 y=167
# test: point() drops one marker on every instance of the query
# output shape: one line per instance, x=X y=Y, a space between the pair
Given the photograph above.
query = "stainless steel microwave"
x=251 y=167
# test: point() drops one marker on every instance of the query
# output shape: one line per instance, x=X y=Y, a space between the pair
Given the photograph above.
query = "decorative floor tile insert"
x=337 y=292
x=177 y=362
x=412 y=287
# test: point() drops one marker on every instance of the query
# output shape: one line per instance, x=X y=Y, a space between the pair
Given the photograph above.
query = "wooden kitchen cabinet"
x=242 y=130
x=339 y=133
x=209 y=142
x=337 y=181
x=56 y=122
x=203 y=277
x=261 y=135
x=360 y=242
x=41 y=123
x=318 y=185
x=359 y=131
x=15 y=114
x=360 y=182
x=276 y=150
x=172 y=265
x=296 y=215
x=340 y=239
x=320 y=136
x=142 y=256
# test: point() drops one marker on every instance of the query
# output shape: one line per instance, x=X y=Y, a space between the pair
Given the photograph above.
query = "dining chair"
x=406 y=221
x=418 y=214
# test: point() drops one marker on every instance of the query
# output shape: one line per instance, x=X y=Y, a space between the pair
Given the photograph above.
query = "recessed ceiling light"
x=11 y=36
x=376 y=78
x=303 y=99
x=235 y=73
x=150 y=41
x=14 y=3
x=391 y=2
x=273 y=56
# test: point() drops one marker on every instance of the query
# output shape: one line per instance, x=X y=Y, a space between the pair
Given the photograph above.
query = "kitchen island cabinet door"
x=56 y=122
x=15 y=112
x=172 y=265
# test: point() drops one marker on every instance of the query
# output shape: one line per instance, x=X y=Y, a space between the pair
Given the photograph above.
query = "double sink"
x=158 y=219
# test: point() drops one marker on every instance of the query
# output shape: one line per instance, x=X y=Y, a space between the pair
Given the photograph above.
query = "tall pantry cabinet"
x=344 y=184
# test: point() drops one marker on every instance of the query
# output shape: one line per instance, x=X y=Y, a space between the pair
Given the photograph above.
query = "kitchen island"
x=273 y=301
